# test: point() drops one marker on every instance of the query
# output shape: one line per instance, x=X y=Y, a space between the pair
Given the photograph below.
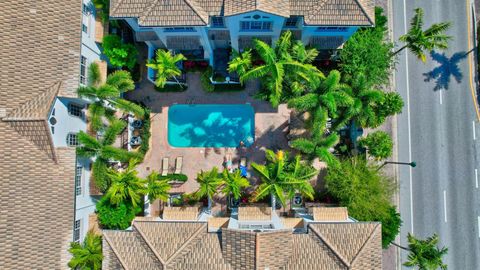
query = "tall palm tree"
x=419 y=41
x=277 y=63
x=365 y=102
x=126 y=186
x=166 y=66
x=233 y=183
x=323 y=101
x=319 y=145
x=157 y=189
x=278 y=178
x=87 y=255
x=424 y=254
x=241 y=62
x=209 y=182
x=106 y=98
x=102 y=151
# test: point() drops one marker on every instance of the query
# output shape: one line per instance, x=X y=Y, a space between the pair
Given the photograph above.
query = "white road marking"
x=474 y=134
x=476 y=178
x=440 y=94
x=408 y=119
x=445 y=204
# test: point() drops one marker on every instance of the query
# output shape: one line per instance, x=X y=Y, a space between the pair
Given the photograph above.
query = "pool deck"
x=271 y=126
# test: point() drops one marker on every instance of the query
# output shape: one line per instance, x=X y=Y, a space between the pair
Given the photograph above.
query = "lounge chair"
x=178 y=165
x=165 y=166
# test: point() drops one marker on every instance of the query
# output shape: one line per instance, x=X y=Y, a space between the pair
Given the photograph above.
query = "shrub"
x=145 y=135
x=175 y=177
x=378 y=143
x=368 y=52
x=194 y=66
x=391 y=223
x=115 y=217
x=391 y=105
x=365 y=191
x=119 y=54
x=205 y=80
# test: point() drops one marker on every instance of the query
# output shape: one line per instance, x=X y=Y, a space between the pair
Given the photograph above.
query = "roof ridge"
x=116 y=6
x=105 y=236
x=198 y=9
x=144 y=237
x=374 y=232
x=184 y=245
x=365 y=12
x=147 y=11
x=330 y=246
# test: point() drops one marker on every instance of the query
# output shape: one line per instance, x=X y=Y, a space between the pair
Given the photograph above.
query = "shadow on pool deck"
x=271 y=125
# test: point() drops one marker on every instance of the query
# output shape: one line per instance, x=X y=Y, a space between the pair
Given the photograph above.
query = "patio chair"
x=243 y=167
x=165 y=166
x=178 y=165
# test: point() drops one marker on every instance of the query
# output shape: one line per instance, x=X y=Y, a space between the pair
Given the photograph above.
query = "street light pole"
x=412 y=164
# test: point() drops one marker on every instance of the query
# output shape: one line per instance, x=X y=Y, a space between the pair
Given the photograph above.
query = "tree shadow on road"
x=448 y=68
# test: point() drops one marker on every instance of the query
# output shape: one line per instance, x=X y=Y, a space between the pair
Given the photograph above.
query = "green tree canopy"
x=282 y=176
x=166 y=66
x=365 y=191
x=378 y=143
x=115 y=217
x=369 y=52
x=119 y=54
x=157 y=188
x=87 y=255
x=209 y=182
x=126 y=186
x=419 y=41
x=233 y=183
x=425 y=254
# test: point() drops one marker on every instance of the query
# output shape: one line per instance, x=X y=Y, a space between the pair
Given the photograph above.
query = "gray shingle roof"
x=326 y=246
x=196 y=12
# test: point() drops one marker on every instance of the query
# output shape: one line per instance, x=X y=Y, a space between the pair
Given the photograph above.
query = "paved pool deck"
x=271 y=127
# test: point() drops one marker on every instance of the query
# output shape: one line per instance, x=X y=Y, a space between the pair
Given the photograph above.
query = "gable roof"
x=188 y=245
x=39 y=62
x=197 y=12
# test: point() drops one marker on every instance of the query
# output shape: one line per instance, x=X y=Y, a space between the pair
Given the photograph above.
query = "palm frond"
x=122 y=80
x=94 y=74
x=115 y=128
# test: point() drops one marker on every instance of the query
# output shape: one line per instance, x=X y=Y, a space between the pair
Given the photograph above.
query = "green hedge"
x=205 y=80
x=175 y=177
x=224 y=87
x=118 y=217
x=145 y=134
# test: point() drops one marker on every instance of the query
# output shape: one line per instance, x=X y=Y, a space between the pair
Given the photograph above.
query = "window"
x=76 y=231
x=85 y=9
x=291 y=22
x=78 y=180
x=72 y=139
x=217 y=21
x=84 y=28
x=75 y=110
x=331 y=29
x=255 y=26
x=53 y=130
x=179 y=29
x=83 y=69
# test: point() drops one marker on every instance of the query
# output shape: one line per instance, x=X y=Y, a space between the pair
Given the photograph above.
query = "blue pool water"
x=210 y=125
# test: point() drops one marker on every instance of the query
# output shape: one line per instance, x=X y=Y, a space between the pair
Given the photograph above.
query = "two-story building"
x=197 y=28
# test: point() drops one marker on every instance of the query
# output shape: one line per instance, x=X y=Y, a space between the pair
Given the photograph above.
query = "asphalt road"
x=439 y=129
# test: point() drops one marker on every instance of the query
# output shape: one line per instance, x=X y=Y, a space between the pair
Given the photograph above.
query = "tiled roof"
x=180 y=213
x=196 y=12
x=329 y=213
x=325 y=247
x=40 y=53
x=254 y=213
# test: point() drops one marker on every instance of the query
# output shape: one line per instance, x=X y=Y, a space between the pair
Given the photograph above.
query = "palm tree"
x=319 y=145
x=102 y=151
x=125 y=186
x=157 y=189
x=279 y=177
x=424 y=254
x=106 y=97
x=277 y=64
x=418 y=40
x=241 y=62
x=88 y=255
x=324 y=100
x=233 y=183
x=365 y=102
x=209 y=182
x=166 y=66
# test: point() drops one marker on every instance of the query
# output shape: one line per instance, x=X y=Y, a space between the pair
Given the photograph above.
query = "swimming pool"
x=211 y=125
